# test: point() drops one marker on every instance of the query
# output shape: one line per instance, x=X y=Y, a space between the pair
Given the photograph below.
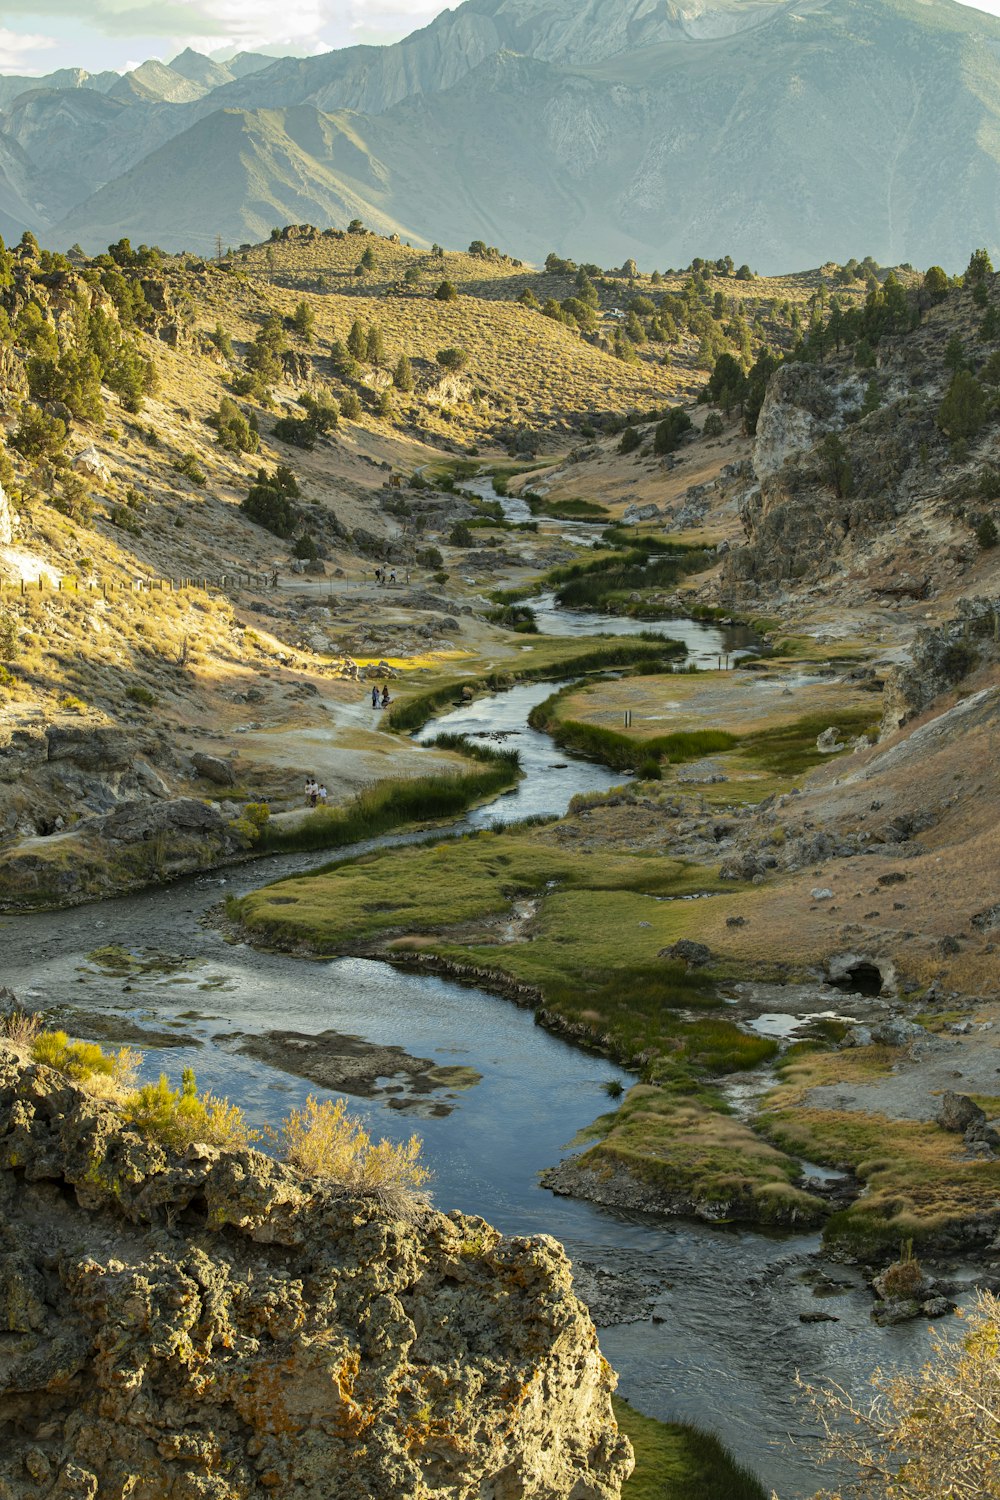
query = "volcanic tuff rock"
x=214 y=1324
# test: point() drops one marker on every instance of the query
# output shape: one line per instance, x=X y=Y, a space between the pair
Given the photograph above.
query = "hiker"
x=375 y=695
x=392 y=575
x=386 y=700
x=378 y=575
x=310 y=784
x=313 y=793
x=322 y=796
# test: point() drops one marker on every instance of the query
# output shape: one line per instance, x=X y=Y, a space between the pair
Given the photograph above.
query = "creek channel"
x=702 y=1323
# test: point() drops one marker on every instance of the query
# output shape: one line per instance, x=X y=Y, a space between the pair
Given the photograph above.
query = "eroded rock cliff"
x=213 y=1324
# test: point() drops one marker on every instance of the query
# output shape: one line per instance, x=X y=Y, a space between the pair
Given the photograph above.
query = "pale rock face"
x=213 y=1324
x=8 y=521
x=801 y=406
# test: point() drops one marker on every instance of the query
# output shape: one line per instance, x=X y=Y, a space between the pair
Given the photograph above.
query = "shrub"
x=305 y=548
x=83 y=1061
x=460 y=535
x=714 y=426
x=137 y=693
x=429 y=557
x=20 y=1027
x=323 y=1140
x=671 y=432
x=350 y=406
x=630 y=440
x=452 y=359
x=323 y=411
x=188 y=465
x=987 y=534
x=234 y=431
x=446 y=292
x=179 y=1117
x=298 y=432
x=269 y=501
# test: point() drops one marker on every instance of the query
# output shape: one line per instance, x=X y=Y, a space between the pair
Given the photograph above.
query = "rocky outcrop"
x=213 y=1324
x=803 y=403
x=940 y=658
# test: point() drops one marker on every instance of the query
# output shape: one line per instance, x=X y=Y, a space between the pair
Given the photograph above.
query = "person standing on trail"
x=375 y=695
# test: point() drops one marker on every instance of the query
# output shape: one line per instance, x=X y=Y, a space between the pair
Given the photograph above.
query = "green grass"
x=566 y=510
x=916 y=1185
x=621 y=751
x=684 y=1141
x=790 y=749
x=676 y=1461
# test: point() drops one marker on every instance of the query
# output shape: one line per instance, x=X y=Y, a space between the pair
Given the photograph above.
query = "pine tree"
x=357 y=340
x=374 y=346
x=402 y=375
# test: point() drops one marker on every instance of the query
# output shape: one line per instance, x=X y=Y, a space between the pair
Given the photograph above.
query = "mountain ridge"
x=620 y=129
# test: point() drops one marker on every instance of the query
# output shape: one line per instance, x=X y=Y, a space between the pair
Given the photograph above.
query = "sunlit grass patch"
x=916 y=1182
x=688 y=1146
x=675 y=1461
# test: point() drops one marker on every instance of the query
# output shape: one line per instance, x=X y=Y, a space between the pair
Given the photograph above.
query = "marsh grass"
x=389 y=804
x=790 y=749
x=688 y=1145
x=916 y=1182
x=620 y=751
x=677 y=1461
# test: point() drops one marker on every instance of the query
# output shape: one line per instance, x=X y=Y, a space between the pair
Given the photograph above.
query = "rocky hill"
x=211 y=1322
x=606 y=129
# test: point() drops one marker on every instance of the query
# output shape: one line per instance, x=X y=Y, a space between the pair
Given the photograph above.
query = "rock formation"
x=213 y=1324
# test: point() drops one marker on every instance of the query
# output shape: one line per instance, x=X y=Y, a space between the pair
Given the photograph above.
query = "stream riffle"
x=718 y=1336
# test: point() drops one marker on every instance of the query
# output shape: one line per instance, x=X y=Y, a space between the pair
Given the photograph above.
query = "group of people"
x=384 y=700
x=385 y=575
x=315 y=794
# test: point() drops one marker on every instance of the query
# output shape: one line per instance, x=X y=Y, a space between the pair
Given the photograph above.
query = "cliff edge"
x=213 y=1324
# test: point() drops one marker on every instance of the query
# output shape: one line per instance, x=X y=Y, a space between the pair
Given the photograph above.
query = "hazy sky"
x=39 y=35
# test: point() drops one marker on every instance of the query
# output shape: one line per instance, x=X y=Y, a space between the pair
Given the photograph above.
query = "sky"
x=37 y=36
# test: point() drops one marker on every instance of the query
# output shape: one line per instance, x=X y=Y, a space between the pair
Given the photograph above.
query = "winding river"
x=717 y=1335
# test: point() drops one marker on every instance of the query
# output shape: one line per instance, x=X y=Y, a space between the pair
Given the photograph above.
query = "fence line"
x=262 y=582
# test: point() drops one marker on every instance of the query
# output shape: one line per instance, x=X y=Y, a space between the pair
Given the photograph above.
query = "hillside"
x=610 y=131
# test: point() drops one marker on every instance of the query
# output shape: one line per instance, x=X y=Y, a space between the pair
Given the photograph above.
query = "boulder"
x=829 y=741
x=90 y=462
x=958 y=1112
x=213 y=768
x=92 y=747
x=695 y=955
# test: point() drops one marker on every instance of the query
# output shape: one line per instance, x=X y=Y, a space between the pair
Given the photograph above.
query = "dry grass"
x=322 y=1140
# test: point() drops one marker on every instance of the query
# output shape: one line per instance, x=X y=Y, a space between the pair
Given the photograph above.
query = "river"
x=717 y=1338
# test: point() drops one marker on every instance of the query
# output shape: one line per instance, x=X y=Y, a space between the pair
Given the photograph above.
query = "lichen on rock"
x=211 y=1325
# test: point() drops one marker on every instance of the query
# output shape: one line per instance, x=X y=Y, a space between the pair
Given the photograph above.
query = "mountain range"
x=783 y=132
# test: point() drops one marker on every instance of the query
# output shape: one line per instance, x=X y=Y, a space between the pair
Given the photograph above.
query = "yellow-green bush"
x=179 y=1117
x=323 y=1140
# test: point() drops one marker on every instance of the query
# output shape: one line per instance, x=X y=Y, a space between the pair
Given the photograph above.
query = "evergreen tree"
x=446 y=292
x=402 y=375
x=304 y=321
x=374 y=346
x=964 y=408
x=357 y=341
